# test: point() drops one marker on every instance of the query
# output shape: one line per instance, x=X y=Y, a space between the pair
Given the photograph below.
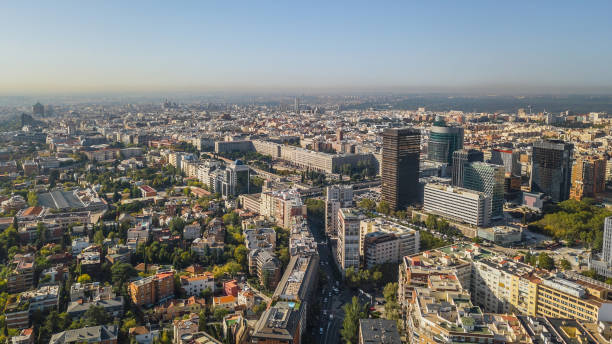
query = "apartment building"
x=194 y=285
x=336 y=197
x=383 y=242
x=298 y=285
x=153 y=289
x=282 y=206
x=348 y=238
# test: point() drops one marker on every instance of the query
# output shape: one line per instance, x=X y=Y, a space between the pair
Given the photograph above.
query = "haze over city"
x=449 y=46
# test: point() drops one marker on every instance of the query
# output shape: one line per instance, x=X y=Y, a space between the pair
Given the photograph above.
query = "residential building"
x=551 y=168
x=282 y=206
x=382 y=241
x=348 y=238
x=279 y=324
x=104 y=334
x=194 y=285
x=298 y=285
x=378 y=331
x=457 y=204
x=588 y=178
x=113 y=307
x=153 y=289
x=400 y=167
x=336 y=197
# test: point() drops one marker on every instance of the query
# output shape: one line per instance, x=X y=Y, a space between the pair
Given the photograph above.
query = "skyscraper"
x=400 y=167
x=509 y=159
x=460 y=158
x=443 y=141
x=588 y=177
x=488 y=179
x=607 y=241
x=551 y=168
x=38 y=109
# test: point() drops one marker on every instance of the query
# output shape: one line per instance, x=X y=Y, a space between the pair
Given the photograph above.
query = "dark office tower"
x=38 y=109
x=400 y=167
x=460 y=158
x=443 y=141
x=551 y=168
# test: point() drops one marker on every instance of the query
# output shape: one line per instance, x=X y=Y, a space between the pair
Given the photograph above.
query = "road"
x=331 y=314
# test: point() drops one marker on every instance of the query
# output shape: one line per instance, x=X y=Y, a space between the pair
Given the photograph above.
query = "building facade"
x=400 y=167
x=551 y=168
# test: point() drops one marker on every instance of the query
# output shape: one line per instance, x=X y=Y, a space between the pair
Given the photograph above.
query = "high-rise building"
x=607 y=241
x=588 y=177
x=348 y=238
x=236 y=179
x=460 y=158
x=487 y=178
x=509 y=159
x=337 y=196
x=443 y=141
x=38 y=109
x=551 y=168
x=400 y=167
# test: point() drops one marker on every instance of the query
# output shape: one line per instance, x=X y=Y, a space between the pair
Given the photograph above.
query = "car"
x=325 y=300
x=320 y=330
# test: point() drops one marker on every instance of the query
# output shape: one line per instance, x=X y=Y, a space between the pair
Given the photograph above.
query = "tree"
x=383 y=208
x=84 y=278
x=241 y=254
x=350 y=326
x=390 y=292
x=32 y=199
x=120 y=273
x=545 y=261
x=431 y=222
x=96 y=315
x=260 y=308
x=220 y=313
x=565 y=264
x=99 y=237
x=367 y=204
x=177 y=225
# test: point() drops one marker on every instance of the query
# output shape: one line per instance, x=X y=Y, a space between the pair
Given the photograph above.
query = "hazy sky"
x=65 y=46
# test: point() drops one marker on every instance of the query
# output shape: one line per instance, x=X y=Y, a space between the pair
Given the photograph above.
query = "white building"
x=194 y=285
x=348 y=238
x=457 y=204
x=337 y=196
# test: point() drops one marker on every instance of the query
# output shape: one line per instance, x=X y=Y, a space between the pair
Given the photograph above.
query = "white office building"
x=457 y=204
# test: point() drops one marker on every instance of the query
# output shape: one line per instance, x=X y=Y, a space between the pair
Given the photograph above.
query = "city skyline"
x=518 y=47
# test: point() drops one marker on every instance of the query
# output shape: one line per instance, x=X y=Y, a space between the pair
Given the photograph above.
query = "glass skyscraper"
x=551 y=168
x=443 y=141
x=489 y=179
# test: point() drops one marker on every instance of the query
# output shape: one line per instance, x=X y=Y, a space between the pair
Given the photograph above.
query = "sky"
x=422 y=46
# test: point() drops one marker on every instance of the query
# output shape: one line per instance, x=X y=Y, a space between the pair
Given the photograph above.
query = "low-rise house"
x=104 y=334
x=113 y=307
x=227 y=302
x=194 y=285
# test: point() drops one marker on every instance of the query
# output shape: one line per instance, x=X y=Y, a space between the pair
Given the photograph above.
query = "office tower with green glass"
x=443 y=141
x=489 y=179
